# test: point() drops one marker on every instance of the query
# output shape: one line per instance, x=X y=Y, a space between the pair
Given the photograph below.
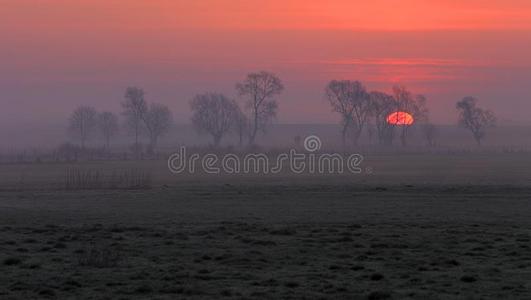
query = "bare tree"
x=158 y=120
x=241 y=125
x=135 y=109
x=474 y=118
x=412 y=104
x=420 y=109
x=382 y=106
x=430 y=133
x=82 y=123
x=362 y=110
x=214 y=114
x=261 y=89
x=108 y=125
x=338 y=94
x=351 y=100
x=370 y=130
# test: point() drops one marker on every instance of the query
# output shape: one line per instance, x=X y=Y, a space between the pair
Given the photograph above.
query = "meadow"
x=410 y=226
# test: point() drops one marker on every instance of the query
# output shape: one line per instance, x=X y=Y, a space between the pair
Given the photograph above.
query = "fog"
x=45 y=76
x=54 y=58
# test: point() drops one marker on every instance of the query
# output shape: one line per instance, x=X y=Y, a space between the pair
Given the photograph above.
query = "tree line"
x=141 y=117
x=217 y=115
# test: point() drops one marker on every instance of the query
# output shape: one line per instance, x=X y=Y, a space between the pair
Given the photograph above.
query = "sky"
x=58 y=54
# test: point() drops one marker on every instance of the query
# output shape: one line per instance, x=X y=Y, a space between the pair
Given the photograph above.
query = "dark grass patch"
x=72 y=282
x=452 y=262
x=291 y=284
x=12 y=261
x=31 y=265
x=144 y=289
x=257 y=242
x=379 y=295
x=99 y=257
x=376 y=277
x=283 y=231
x=60 y=246
x=468 y=278
x=47 y=293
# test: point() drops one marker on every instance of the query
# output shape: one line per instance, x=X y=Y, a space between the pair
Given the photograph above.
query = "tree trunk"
x=344 y=136
x=153 y=144
x=217 y=140
x=136 y=140
x=478 y=141
x=252 y=137
x=356 y=137
x=403 y=136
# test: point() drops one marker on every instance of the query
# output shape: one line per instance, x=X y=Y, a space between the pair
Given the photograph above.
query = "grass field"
x=389 y=169
x=409 y=227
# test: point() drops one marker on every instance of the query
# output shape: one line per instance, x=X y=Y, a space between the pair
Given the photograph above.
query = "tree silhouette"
x=158 y=120
x=474 y=118
x=351 y=100
x=82 y=123
x=214 y=114
x=108 y=125
x=260 y=89
x=415 y=105
x=134 y=110
x=382 y=105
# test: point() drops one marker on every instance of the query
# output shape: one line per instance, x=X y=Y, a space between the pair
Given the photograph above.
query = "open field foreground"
x=272 y=241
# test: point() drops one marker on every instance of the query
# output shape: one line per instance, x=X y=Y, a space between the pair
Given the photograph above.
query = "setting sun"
x=400 y=118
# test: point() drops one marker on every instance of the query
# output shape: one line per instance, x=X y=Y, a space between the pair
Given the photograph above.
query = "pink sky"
x=57 y=54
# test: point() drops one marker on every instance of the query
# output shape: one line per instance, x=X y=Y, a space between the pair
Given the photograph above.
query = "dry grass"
x=389 y=169
x=404 y=232
x=337 y=261
x=87 y=179
x=98 y=256
x=77 y=179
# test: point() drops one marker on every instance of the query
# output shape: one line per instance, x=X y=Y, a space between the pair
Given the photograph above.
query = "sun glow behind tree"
x=400 y=118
